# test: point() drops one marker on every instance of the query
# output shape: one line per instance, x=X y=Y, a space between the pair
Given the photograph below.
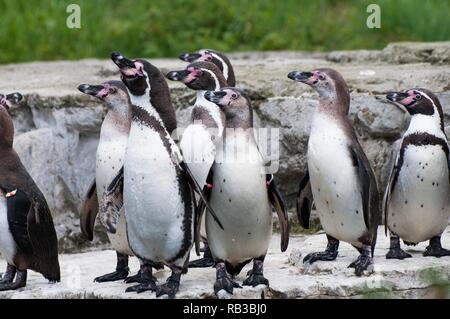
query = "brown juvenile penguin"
x=27 y=234
x=339 y=178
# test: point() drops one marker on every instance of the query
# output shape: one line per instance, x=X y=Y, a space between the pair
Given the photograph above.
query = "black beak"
x=177 y=75
x=121 y=61
x=215 y=96
x=189 y=57
x=14 y=98
x=300 y=76
x=90 y=89
x=396 y=96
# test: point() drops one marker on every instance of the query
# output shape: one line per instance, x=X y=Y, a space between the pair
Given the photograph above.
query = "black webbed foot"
x=172 y=285
x=397 y=254
x=134 y=279
x=21 y=281
x=146 y=286
x=202 y=263
x=256 y=276
x=435 y=249
x=363 y=262
x=206 y=261
x=256 y=279
x=114 y=276
x=328 y=255
x=9 y=275
x=395 y=251
x=223 y=280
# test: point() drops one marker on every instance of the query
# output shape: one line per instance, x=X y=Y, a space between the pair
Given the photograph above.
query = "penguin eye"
x=418 y=96
x=112 y=90
x=321 y=77
x=234 y=96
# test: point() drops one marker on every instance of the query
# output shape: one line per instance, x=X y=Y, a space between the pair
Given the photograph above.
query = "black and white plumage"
x=339 y=179
x=417 y=196
x=157 y=184
x=242 y=195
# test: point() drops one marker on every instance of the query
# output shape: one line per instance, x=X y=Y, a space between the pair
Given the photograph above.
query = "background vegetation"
x=36 y=30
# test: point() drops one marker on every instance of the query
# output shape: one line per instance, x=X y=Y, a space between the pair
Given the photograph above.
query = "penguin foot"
x=11 y=286
x=134 y=279
x=438 y=252
x=146 y=286
x=114 y=276
x=170 y=288
x=225 y=283
x=325 y=256
x=397 y=254
x=8 y=284
x=202 y=263
x=361 y=264
x=256 y=279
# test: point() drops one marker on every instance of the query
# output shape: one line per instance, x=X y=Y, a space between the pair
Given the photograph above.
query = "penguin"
x=157 y=185
x=218 y=58
x=242 y=196
x=109 y=157
x=27 y=233
x=200 y=138
x=416 y=201
x=339 y=178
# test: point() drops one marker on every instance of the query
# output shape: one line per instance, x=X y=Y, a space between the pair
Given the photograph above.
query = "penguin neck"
x=118 y=120
x=334 y=103
x=6 y=129
x=224 y=68
x=212 y=109
x=430 y=124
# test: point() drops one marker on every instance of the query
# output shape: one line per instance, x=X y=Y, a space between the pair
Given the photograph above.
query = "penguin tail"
x=235 y=269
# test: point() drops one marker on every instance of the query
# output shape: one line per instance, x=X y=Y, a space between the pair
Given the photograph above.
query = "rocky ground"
x=417 y=277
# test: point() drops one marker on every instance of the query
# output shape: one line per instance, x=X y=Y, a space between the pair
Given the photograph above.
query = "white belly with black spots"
x=110 y=156
x=154 y=209
x=240 y=200
x=335 y=185
x=418 y=209
x=198 y=151
x=7 y=244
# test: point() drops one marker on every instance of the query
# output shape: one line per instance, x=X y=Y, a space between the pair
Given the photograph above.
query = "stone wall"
x=57 y=127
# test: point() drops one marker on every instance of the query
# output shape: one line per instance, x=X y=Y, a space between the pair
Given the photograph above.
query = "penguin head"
x=205 y=55
x=113 y=93
x=233 y=102
x=328 y=83
x=416 y=101
x=215 y=57
x=134 y=73
x=7 y=101
x=199 y=76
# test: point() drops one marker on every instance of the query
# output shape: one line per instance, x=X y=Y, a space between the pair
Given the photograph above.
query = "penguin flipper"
x=200 y=210
x=89 y=212
x=369 y=189
x=304 y=200
x=112 y=203
x=194 y=185
x=43 y=239
x=280 y=207
x=389 y=189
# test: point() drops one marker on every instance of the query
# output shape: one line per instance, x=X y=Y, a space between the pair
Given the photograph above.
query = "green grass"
x=36 y=30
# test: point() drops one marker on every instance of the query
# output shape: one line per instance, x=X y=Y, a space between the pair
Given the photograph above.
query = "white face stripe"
x=425 y=123
x=224 y=65
x=216 y=80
